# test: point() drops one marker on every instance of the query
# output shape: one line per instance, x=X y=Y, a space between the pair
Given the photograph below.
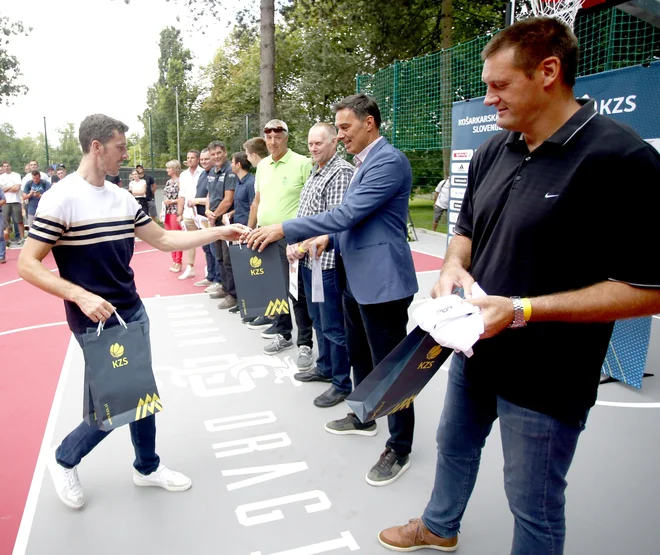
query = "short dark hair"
x=5 y=162
x=61 y=166
x=361 y=105
x=98 y=127
x=533 y=40
x=36 y=172
x=241 y=159
x=139 y=166
x=217 y=144
x=195 y=152
x=256 y=146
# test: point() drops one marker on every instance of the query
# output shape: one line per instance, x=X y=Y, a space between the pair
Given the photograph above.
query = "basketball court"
x=302 y=491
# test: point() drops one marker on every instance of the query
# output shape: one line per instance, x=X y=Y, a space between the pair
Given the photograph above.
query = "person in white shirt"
x=187 y=191
x=441 y=201
x=138 y=188
x=12 y=211
x=34 y=166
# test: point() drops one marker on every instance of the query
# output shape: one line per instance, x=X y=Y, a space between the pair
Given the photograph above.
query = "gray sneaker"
x=228 y=302
x=278 y=345
x=388 y=469
x=351 y=425
x=305 y=361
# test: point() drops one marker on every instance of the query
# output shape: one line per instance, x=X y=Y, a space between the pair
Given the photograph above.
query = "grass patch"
x=421 y=212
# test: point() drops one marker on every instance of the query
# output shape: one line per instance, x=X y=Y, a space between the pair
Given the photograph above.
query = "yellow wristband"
x=302 y=250
x=527 y=309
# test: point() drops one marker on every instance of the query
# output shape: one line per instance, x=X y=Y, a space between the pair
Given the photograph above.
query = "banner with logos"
x=627 y=95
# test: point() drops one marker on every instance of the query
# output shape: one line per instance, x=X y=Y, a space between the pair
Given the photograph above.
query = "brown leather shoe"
x=414 y=536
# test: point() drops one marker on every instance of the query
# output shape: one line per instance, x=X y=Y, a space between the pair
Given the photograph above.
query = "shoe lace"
x=414 y=531
x=387 y=460
x=72 y=480
x=305 y=350
x=279 y=340
x=350 y=418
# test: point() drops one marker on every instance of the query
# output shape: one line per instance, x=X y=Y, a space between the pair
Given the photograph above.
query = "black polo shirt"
x=202 y=190
x=149 y=181
x=220 y=180
x=578 y=210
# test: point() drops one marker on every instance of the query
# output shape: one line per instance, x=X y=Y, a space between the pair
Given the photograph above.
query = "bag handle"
x=99 y=329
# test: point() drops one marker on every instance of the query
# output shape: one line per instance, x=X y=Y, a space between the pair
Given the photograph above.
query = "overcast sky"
x=89 y=56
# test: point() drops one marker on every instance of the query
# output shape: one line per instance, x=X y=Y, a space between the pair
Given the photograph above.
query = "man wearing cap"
x=279 y=182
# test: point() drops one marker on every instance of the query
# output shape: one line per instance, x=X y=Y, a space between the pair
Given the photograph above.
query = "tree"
x=267 y=68
x=68 y=151
x=9 y=65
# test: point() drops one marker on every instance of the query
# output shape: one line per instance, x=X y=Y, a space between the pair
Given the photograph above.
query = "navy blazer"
x=370 y=228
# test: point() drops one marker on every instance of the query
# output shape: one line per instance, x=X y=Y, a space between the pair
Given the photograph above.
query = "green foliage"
x=10 y=72
x=68 y=151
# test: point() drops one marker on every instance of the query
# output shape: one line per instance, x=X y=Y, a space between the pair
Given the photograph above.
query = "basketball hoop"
x=564 y=10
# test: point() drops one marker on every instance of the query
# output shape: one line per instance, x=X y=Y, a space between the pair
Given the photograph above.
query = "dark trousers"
x=328 y=318
x=84 y=438
x=222 y=255
x=283 y=322
x=213 y=268
x=372 y=331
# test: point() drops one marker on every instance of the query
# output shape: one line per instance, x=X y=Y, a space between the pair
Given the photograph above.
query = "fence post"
x=395 y=101
x=610 y=42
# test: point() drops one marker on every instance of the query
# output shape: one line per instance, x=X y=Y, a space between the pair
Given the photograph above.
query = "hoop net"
x=564 y=10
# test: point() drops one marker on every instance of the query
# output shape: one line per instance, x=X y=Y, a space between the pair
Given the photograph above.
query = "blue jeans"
x=3 y=244
x=328 y=321
x=213 y=271
x=538 y=451
x=84 y=438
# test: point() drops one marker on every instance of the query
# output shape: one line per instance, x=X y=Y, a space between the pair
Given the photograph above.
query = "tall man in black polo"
x=221 y=185
x=151 y=191
x=531 y=232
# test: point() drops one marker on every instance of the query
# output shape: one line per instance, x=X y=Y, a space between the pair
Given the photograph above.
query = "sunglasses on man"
x=274 y=130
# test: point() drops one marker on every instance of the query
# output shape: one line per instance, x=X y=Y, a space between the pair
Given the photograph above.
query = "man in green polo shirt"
x=279 y=181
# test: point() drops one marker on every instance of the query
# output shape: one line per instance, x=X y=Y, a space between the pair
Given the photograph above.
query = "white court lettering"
x=266 y=473
x=346 y=540
x=322 y=504
x=240 y=421
x=251 y=444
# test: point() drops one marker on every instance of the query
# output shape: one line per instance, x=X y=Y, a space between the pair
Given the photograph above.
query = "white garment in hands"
x=451 y=321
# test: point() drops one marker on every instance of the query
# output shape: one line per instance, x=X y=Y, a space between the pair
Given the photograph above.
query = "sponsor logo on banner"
x=150 y=404
x=459 y=167
x=455 y=205
x=462 y=154
x=458 y=180
x=277 y=307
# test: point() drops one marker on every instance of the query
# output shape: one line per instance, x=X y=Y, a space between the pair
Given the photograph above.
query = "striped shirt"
x=323 y=191
x=92 y=231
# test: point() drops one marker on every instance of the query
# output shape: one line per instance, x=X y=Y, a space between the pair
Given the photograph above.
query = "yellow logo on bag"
x=277 y=307
x=117 y=350
x=149 y=404
x=255 y=262
x=434 y=352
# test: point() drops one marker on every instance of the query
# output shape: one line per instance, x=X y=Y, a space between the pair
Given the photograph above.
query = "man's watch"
x=518 y=314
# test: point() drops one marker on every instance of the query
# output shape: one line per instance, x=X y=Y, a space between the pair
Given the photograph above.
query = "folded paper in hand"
x=451 y=321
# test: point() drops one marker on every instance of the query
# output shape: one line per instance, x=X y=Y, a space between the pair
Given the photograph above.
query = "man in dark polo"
x=151 y=191
x=531 y=232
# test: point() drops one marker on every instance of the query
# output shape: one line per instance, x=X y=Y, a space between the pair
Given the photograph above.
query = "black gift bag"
x=400 y=376
x=120 y=387
x=259 y=281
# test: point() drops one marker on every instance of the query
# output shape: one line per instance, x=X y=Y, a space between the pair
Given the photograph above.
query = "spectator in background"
x=3 y=243
x=243 y=197
x=32 y=192
x=151 y=192
x=61 y=172
x=188 y=191
x=10 y=182
x=213 y=280
x=440 y=201
x=114 y=179
x=138 y=187
x=173 y=212
x=31 y=166
x=52 y=174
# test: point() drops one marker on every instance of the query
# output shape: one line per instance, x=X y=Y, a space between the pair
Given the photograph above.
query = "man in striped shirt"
x=90 y=225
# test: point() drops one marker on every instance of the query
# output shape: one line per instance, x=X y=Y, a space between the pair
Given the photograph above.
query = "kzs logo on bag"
x=430 y=357
x=117 y=351
x=257 y=270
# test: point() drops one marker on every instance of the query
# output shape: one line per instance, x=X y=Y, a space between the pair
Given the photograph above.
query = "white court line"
x=37 y=478
x=9 y=332
x=428 y=254
x=142 y=252
x=628 y=405
x=21 y=279
x=429 y=272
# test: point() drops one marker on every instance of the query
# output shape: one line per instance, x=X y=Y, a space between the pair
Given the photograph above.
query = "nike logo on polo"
x=548 y=195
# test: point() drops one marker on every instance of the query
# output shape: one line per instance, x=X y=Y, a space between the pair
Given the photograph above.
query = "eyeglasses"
x=274 y=130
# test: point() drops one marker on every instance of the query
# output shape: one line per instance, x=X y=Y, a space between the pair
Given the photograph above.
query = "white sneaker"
x=66 y=481
x=164 y=478
x=188 y=273
x=213 y=288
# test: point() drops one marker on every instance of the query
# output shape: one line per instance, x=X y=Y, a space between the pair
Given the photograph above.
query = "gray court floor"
x=301 y=491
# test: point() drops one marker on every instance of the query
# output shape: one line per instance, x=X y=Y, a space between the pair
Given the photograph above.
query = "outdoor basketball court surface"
x=302 y=492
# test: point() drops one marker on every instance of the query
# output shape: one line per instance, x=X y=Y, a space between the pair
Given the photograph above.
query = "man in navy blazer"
x=375 y=267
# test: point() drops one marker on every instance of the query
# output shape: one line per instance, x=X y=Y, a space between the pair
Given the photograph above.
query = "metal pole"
x=247 y=127
x=151 y=146
x=395 y=102
x=46 y=140
x=178 y=145
x=510 y=13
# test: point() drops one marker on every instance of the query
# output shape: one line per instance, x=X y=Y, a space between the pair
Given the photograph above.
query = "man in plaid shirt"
x=323 y=191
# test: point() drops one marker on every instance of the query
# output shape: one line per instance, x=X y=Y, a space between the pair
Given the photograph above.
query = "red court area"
x=33 y=343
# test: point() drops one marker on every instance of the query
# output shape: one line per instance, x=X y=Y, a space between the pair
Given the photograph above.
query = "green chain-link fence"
x=416 y=96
